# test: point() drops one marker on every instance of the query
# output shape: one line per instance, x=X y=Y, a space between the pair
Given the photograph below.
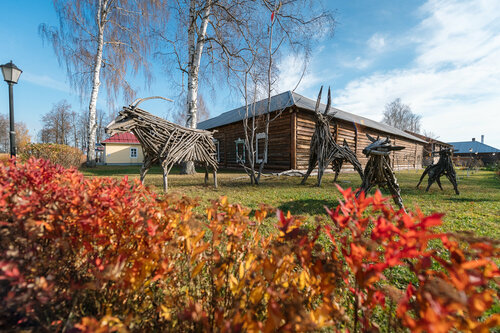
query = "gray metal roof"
x=290 y=98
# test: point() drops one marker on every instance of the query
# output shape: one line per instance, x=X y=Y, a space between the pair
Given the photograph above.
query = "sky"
x=442 y=58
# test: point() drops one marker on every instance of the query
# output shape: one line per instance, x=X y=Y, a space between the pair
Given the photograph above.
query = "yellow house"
x=122 y=149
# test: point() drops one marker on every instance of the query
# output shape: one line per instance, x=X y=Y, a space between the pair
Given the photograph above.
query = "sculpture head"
x=444 y=152
x=323 y=118
x=380 y=146
x=123 y=123
x=128 y=118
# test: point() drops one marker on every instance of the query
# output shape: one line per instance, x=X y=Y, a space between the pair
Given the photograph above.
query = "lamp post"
x=11 y=74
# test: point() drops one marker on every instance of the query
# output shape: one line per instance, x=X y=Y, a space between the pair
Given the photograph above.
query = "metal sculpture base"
x=443 y=167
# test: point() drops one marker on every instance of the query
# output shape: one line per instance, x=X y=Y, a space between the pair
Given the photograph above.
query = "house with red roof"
x=122 y=149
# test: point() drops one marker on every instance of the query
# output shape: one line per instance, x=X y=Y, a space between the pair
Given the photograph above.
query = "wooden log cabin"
x=290 y=133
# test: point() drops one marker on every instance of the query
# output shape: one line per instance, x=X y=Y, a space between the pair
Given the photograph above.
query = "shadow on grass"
x=309 y=206
x=462 y=199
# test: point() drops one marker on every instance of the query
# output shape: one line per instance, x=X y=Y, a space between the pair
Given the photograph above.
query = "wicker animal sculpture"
x=443 y=167
x=165 y=142
x=324 y=150
x=378 y=171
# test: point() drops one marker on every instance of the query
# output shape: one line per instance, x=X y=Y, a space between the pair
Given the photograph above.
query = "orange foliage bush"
x=107 y=255
x=64 y=155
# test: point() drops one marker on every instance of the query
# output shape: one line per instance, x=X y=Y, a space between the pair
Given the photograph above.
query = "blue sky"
x=439 y=57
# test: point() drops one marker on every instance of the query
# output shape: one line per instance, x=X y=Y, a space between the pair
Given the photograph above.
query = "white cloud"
x=357 y=63
x=454 y=82
x=291 y=74
x=46 y=81
x=376 y=42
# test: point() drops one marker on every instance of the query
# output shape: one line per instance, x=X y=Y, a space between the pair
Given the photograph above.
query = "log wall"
x=355 y=135
x=289 y=148
x=279 y=154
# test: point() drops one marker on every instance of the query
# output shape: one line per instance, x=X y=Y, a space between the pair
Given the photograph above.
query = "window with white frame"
x=260 y=148
x=133 y=152
x=217 y=149
x=240 y=150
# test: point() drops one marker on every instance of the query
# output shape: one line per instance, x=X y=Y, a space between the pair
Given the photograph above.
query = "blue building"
x=470 y=151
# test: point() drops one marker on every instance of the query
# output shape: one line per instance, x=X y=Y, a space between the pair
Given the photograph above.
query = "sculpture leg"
x=321 y=169
x=215 y=177
x=206 y=174
x=165 y=177
x=438 y=181
x=423 y=175
x=357 y=167
x=392 y=184
x=336 y=166
x=310 y=168
x=146 y=165
x=367 y=178
x=453 y=180
x=431 y=179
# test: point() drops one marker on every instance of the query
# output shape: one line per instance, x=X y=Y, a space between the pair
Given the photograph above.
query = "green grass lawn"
x=477 y=208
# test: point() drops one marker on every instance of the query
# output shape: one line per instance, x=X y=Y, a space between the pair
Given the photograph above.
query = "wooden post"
x=293 y=140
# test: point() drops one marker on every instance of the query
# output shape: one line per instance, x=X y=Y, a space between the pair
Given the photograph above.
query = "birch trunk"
x=195 y=53
x=269 y=86
x=96 y=82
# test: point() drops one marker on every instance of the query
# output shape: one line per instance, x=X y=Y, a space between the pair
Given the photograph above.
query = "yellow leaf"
x=256 y=294
x=251 y=257
x=197 y=269
x=241 y=271
x=197 y=238
x=199 y=250
x=165 y=312
x=303 y=279
x=233 y=283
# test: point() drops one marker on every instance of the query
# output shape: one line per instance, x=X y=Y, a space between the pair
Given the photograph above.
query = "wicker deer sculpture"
x=378 y=171
x=324 y=150
x=443 y=167
x=165 y=142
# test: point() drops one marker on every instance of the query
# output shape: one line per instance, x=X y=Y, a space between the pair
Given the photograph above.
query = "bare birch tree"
x=400 y=115
x=225 y=30
x=263 y=74
x=179 y=110
x=57 y=124
x=22 y=134
x=102 y=41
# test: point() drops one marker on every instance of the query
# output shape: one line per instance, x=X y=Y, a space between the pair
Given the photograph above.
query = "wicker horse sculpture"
x=165 y=142
x=443 y=167
x=324 y=150
x=378 y=171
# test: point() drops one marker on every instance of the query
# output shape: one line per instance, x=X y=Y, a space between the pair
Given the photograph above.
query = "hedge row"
x=56 y=153
x=108 y=255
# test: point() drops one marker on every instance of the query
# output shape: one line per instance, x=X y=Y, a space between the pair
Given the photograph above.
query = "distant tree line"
x=22 y=134
x=63 y=125
x=399 y=115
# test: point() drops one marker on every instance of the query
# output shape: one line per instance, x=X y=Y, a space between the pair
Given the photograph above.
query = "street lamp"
x=11 y=74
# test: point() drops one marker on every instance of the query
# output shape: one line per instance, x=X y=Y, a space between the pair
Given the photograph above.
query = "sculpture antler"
x=318 y=101
x=328 y=103
x=140 y=100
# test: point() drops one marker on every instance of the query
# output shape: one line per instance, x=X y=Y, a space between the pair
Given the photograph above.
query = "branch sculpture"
x=324 y=150
x=165 y=142
x=443 y=167
x=378 y=171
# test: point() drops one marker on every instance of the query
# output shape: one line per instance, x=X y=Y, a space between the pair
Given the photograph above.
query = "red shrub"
x=105 y=255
